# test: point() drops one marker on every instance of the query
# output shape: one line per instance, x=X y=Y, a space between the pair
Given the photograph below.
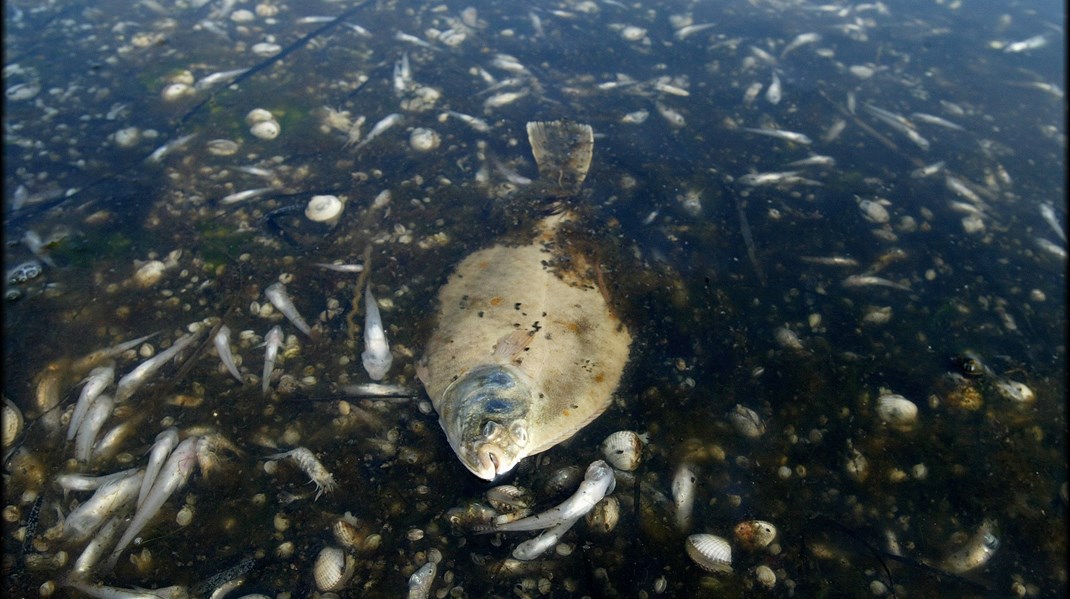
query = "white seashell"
x=324 y=209
x=242 y=16
x=746 y=422
x=857 y=466
x=176 y=91
x=12 y=423
x=765 y=576
x=127 y=137
x=424 y=140
x=683 y=494
x=149 y=273
x=897 y=411
x=633 y=33
x=604 y=516
x=753 y=535
x=258 y=115
x=333 y=569
x=623 y=450
x=266 y=129
x=222 y=147
x=1015 y=391
x=710 y=552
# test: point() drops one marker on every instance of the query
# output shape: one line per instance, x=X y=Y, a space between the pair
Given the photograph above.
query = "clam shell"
x=897 y=411
x=710 y=552
x=324 y=208
x=623 y=450
x=258 y=115
x=752 y=535
x=424 y=140
x=604 y=516
x=12 y=423
x=746 y=422
x=266 y=129
x=1015 y=391
x=333 y=569
x=176 y=91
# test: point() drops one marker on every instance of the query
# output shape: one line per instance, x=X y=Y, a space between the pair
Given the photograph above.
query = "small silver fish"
x=376 y=356
x=217 y=78
x=814 y=160
x=385 y=123
x=420 y=581
x=272 y=343
x=870 y=280
x=165 y=442
x=109 y=498
x=673 y=117
x=1047 y=211
x=401 y=36
x=36 y=246
x=499 y=100
x=248 y=194
x=402 y=75
x=927 y=170
x=173 y=475
x=137 y=377
x=935 y=120
x=775 y=92
x=792 y=136
x=276 y=294
x=980 y=548
x=800 y=40
x=474 y=122
x=689 y=30
x=829 y=260
x=1051 y=247
x=598 y=482
x=349 y=268
x=533 y=548
x=99 y=379
x=159 y=153
x=95 y=417
x=222 y=347
x=1033 y=43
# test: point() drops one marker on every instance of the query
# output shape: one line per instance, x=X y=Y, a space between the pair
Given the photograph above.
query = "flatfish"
x=526 y=350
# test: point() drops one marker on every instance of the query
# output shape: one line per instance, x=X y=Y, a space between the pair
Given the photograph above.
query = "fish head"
x=484 y=414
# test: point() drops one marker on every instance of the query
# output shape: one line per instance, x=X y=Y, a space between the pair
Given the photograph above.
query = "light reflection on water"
x=706 y=324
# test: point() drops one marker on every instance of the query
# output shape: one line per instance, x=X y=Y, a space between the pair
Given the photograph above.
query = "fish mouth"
x=489 y=462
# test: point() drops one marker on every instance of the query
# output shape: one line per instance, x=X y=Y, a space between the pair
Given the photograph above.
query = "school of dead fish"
x=96 y=498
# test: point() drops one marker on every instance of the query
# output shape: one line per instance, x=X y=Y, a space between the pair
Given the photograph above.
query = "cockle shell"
x=424 y=140
x=710 y=552
x=896 y=410
x=623 y=450
x=324 y=208
x=12 y=423
x=176 y=91
x=753 y=535
x=333 y=569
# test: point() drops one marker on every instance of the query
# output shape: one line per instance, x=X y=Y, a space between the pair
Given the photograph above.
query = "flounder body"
x=525 y=353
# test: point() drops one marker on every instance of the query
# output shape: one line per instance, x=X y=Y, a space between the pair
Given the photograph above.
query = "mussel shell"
x=746 y=422
x=710 y=552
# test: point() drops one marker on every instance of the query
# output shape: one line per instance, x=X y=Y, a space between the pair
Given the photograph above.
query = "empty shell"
x=623 y=449
x=746 y=422
x=333 y=569
x=710 y=552
x=896 y=410
x=604 y=516
x=752 y=535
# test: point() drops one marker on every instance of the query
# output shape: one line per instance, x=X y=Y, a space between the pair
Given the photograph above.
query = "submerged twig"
x=352 y=328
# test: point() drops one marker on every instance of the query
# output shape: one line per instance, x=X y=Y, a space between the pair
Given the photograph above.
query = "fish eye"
x=520 y=433
x=491 y=429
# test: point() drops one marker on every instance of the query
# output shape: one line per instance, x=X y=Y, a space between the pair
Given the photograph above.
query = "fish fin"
x=510 y=345
x=562 y=151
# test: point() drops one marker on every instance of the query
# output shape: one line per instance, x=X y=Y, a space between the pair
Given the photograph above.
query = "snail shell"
x=324 y=208
x=896 y=410
x=623 y=450
x=604 y=516
x=746 y=422
x=266 y=129
x=710 y=552
x=333 y=569
x=753 y=535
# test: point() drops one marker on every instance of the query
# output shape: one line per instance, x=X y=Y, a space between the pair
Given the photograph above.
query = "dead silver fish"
x=276 y=294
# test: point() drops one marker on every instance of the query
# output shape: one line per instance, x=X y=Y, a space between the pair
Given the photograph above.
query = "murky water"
x=736 y=292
